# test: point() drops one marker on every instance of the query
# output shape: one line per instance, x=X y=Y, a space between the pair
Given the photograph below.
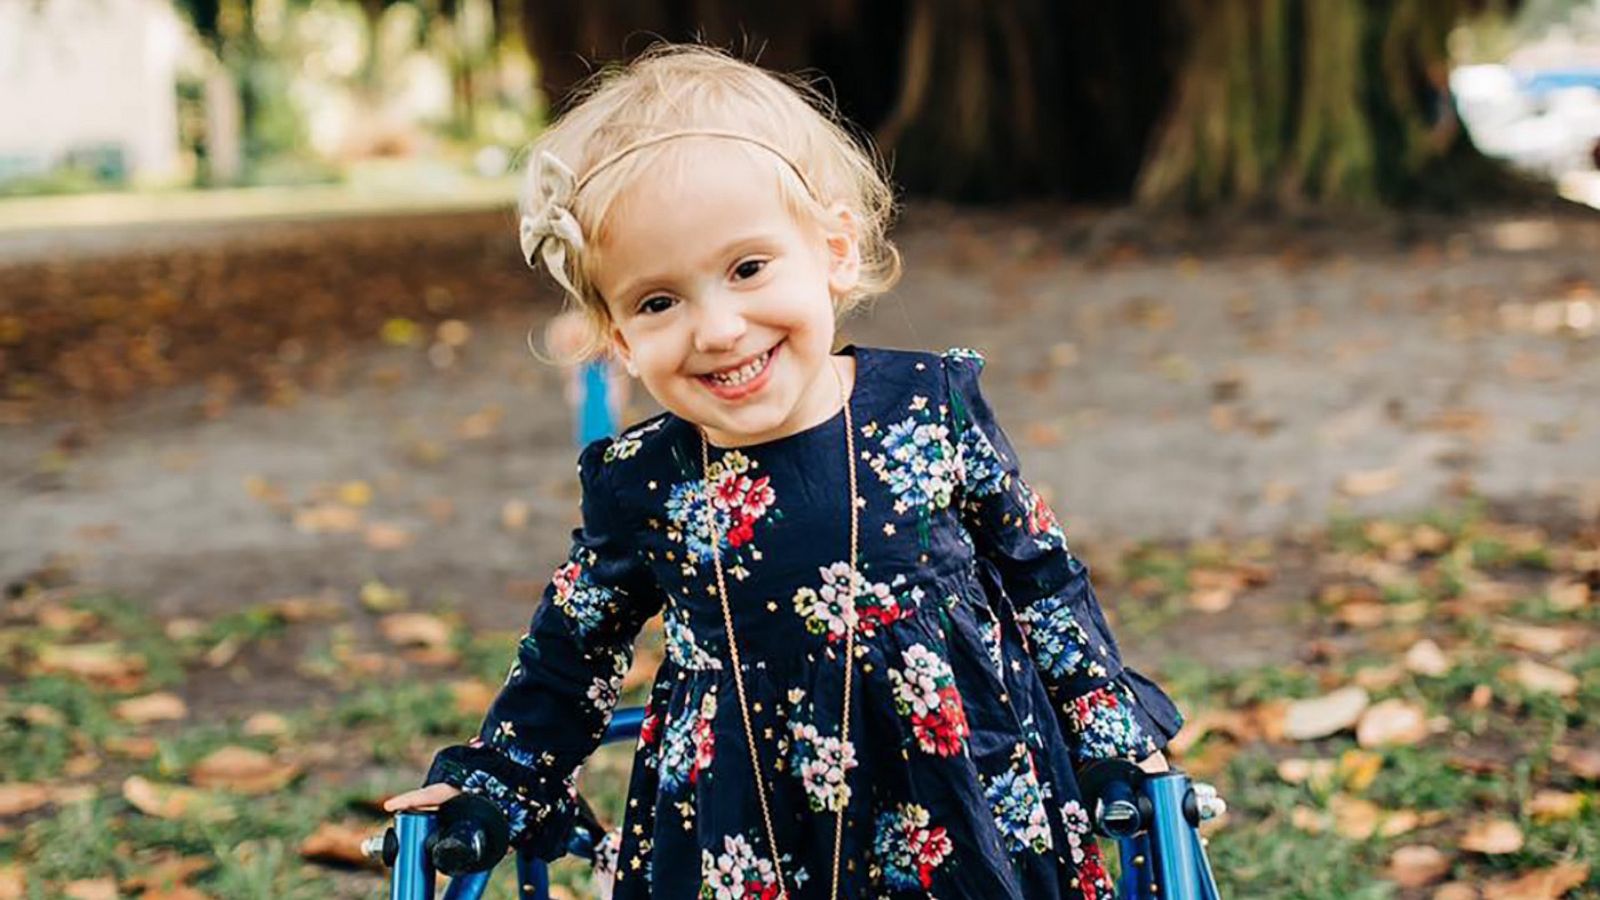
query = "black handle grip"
x=470 y=835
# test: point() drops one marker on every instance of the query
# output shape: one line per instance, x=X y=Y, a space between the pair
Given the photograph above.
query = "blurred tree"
x=1189 y=102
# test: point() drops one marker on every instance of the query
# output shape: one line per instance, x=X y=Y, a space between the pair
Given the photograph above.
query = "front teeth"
x=742 y=374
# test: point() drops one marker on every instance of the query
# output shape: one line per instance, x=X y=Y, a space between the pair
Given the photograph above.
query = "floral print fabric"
x=984 y=670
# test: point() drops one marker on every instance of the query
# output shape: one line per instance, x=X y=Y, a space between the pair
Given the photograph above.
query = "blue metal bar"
x=468 y=887
x=413 y=872
x=625 y=725
x=533 y=877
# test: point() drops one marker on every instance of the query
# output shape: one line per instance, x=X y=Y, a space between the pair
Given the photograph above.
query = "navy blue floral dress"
x=985 y=670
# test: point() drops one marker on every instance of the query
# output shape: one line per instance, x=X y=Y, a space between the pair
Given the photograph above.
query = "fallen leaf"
x=383 y=536
x=355 y=493
x=415 y=629
x=338 y=843
x=1568 y=595
x=161 y=706
x=105 y=663
x=1211 y=600
x=1426 y=658
x=266 y=724
x=90 y=889
x=1541 y=884
x=172 y=801
x=13 y=882
x=1554 y=806
x=17 y=798
x=514 y=515
x=1359 y=768
x=1309 y=820
x=1317 y=773
x=472 y=697
x=242 y=770
x=1234 y=723
x=1455 y=890
x=1369 y=483
x=1492 y=837
x=1584 y=762
x=1541 y=639
x=1322 y=716
x=167 y=874
x=1418 y=865
x=1391 y=723
x=380 y=598
x=1353 y=817
x=327 y=518
x=1543 y=679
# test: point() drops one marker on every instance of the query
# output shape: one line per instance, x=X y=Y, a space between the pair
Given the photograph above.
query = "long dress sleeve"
x=1107 y=710
x=563 y=685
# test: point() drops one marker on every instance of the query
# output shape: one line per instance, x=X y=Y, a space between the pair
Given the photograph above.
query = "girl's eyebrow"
x=633 y=286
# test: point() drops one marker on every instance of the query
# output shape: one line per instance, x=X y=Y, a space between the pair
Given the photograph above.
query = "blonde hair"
x=695 y=89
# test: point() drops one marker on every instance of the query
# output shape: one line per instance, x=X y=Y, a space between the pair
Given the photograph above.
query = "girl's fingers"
x=432 y=795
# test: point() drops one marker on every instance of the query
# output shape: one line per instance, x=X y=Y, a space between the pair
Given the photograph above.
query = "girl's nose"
x=719 y=327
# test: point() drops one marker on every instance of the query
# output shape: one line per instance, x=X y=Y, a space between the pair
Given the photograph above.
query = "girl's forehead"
x=704 y=192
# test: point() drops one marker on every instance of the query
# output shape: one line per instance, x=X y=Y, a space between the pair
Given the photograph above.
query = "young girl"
x=883 y=661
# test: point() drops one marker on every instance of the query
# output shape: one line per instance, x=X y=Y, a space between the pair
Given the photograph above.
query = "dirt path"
x=1172 y=384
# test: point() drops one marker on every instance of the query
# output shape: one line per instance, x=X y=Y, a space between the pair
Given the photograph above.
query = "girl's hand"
x=1155 y=762
x=423 y=798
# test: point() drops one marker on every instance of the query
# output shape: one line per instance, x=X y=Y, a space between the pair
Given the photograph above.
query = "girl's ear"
x=620 y=349
x=844 y=250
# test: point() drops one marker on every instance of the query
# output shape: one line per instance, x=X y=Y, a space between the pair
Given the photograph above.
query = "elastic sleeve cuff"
x=539 y=828
x=1128 y=717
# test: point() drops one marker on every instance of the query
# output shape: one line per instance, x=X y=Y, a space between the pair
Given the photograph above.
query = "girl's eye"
x=660 y=303
x=748 y=269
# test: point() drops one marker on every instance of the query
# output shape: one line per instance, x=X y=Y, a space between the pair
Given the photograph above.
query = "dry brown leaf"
x=1322 y=716
x=1492 y=837
x=1543 y=679
x=17 y=798
x=1379 y=678
x=383 y=536
x=1362 y=615
x=472 y=696
x=514 y=515
x=380 y=598
x=161 y=706
x=1541 y=639
x=327 y=518
x=1211 y=600
x=1359 y=768
x=1426 y=658
x=1541 y=884
x=1318 y=773
x=266 y=724
x=105 y=663
x=338 y=843
x=1392 y=722
x=355 y=493
x=1309 y=820
x=13 y=882
x=90 y=889
x=1370 y=482
x=167 y=872
x=1584 y=762
x=1353 y=817
x=415 y=630
x=243 y=771
x=81 y=765
x=173 y=801
x=1568 y=594
x=324 y=607
x=1418 y=865
x=1554 y=806
x=1455 y=890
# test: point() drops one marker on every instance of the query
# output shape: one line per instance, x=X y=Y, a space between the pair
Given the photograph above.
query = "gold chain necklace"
x=849 y=615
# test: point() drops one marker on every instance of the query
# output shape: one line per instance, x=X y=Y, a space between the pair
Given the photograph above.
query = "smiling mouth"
x=741 y=375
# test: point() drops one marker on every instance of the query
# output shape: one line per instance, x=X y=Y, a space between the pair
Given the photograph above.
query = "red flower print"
x=649 y=728
x=757 y=498
x=741 y=533
x=1041 y=517
x=942 y=729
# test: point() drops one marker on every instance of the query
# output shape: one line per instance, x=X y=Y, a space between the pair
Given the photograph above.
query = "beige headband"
x=551 y=229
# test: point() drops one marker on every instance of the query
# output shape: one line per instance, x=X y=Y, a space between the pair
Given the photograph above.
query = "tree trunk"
x=1288 y=102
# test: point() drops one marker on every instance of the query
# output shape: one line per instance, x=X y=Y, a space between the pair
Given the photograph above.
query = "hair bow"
x=550 y=229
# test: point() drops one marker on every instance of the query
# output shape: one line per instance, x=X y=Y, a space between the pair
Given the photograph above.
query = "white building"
x=79 y=74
